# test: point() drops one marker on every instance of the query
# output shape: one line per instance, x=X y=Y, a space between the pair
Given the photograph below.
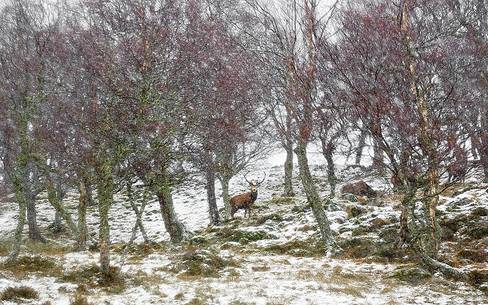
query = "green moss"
x=300 y=248
x=279 y=201
x=201 y=263
x=274 y=217
x=17 y=294
x=47 y=248
x=411 y=274
x=243 y=237
x=5 y=247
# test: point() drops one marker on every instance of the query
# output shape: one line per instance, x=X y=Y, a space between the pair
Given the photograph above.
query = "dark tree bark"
x=34 y=232
x=209 y=168
x=328 y=152
x=105 y=187
x=82 y=227
x=484 y=140
x=173 y=226
x=57 y=225
x=224 y=182
x=361 y=145
x=31 y=194
x=213 y=210
x=288 y=192
x=378 y=158
x=89 y=192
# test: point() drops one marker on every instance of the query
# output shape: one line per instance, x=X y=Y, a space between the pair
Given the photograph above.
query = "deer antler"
x=259 y=183
x=246 y=178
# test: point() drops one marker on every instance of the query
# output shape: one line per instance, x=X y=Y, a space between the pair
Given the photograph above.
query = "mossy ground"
x=36 y=264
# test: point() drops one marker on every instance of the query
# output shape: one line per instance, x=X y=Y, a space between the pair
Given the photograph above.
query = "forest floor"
x=272 y=258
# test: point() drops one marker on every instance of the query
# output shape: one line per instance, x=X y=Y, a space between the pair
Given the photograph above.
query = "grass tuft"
x=17 y=294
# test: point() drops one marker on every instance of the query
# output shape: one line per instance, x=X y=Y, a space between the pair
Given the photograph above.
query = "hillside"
x=272 y=258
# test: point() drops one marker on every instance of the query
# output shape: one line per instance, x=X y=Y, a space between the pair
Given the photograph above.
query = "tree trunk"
x=105 y=187
x=173 y=226
x=328 y=152
x=430 y=238
x=404 y=231
x=378 y=157
x=475 y=146
x=139 y=212
x=22 y=201
x=484 y=140
x=361 y=145
x=89 y=191
x=57 y=226
x=34 y=232
x=224 y=182
x=82 y=228
x=213 y=210
x=313 y=196
x=289 y=170
x=54 y=200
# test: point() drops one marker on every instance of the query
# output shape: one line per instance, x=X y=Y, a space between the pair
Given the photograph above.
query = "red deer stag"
x=246 y=200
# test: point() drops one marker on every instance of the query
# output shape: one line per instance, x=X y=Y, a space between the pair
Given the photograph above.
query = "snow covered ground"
x=255 y=272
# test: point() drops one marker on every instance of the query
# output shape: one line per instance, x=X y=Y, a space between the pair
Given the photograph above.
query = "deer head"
x=253 y=184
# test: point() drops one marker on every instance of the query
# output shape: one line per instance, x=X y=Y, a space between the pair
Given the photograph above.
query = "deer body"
x=245 y=201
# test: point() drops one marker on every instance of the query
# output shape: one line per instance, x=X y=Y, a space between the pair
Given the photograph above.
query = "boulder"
x=359 y=188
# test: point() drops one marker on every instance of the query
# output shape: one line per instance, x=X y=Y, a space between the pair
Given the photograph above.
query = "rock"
x=389 y=234
x=447 y=233
x=377 y=223
x=359 y=188
x=354 y=210
x=361 y=230
x=411 y=274
x=358 y=247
